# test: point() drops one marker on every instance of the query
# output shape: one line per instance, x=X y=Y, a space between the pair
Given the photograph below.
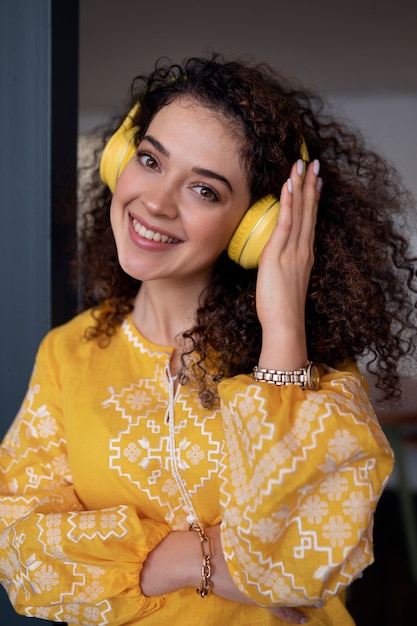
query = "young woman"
x=203 y=425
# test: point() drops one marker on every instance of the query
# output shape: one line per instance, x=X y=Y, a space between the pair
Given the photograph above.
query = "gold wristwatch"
x=307 y=377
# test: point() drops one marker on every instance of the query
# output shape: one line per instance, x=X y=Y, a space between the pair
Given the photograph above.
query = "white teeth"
x=150 y=234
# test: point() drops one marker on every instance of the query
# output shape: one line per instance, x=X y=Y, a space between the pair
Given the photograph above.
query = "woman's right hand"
x=181 y=550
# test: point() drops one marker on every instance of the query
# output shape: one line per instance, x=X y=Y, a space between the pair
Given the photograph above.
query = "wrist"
x=191 y=572
x=206 y=584
x=283 y=352
x=181 y=550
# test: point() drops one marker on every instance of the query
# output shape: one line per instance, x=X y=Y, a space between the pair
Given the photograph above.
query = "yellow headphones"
x=118 y=151
x=254 y=229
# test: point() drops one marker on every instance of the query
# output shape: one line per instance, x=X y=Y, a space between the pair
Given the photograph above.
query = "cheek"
x=215 y=233
x=232 y=224
x=113 y=213
x=126 y=185
x=118 y=218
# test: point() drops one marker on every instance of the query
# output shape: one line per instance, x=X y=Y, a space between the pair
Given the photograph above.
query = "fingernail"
x=289 y=184
x=300 y=167
x=316 y=167
x=304 y=620
x=319 y=184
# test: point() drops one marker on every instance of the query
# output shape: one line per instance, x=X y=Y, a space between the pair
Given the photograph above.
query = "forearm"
x=284 y=351
x=181 y=550
x=173 y=564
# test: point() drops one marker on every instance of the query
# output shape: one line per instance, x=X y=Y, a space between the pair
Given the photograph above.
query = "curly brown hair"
x=362 y=294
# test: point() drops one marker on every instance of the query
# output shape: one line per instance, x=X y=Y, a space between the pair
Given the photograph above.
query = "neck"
x=162 y=312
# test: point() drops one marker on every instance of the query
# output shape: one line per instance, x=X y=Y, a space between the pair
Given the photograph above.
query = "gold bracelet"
x=206 y=585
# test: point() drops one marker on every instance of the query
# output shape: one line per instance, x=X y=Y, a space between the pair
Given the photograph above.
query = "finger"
x=284 y=223
x=311 y=195
x=295 y=183
x=296 y=178
x=298 y=206
x=292 y=616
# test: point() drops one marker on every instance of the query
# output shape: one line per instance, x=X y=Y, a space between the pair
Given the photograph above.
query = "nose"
x=160 y=200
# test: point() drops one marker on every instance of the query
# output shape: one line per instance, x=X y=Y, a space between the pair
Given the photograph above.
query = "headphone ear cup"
x=253 y=232
x=118 y=151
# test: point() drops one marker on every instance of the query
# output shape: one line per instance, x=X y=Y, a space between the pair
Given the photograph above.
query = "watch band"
x=301 y=377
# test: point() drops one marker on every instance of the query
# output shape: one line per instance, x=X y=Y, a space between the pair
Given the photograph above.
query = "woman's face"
x=177 y=203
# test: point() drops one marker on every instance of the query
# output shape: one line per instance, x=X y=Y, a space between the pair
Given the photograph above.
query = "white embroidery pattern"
x=141 y=453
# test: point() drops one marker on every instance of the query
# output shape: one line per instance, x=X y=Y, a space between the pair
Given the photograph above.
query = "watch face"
x=314 y=377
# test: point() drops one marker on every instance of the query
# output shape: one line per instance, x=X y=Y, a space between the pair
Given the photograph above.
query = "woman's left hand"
x=284 y=271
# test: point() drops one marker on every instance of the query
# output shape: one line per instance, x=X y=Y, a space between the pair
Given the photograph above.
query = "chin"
x=145 y=270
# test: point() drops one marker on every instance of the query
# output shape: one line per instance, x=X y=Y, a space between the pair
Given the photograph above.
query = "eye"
x=207 y=193
x=147 y=160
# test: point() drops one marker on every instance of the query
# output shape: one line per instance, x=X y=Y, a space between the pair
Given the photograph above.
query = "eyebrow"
x=156 y=144
x=210 y=174
x=198 y=170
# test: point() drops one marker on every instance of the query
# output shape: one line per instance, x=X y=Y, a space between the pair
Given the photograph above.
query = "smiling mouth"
x=151 y=235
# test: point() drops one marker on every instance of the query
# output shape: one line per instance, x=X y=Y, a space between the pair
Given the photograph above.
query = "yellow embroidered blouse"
x=104 y=460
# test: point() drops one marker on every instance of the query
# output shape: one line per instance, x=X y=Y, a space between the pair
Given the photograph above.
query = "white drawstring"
x=192 y=515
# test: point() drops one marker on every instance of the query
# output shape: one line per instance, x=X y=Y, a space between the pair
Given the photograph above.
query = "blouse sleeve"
x=58 y=561
x=302 y=474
